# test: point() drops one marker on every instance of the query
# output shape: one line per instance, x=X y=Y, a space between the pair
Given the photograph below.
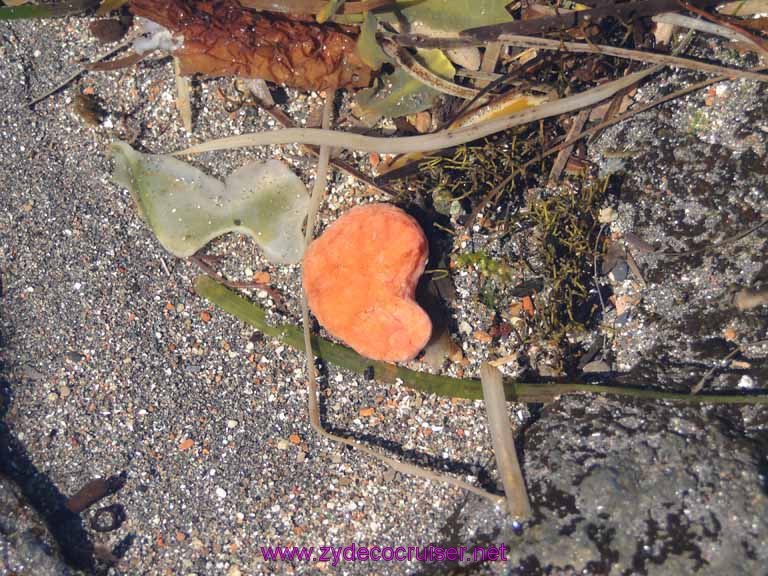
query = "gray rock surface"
x=26 y=546
x=642 y=488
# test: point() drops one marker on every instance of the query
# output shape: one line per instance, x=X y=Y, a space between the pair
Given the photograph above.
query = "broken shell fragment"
x=360 y=278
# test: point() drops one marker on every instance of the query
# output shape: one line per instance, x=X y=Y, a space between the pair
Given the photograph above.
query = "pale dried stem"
x=683 y=21
x=183 y=101
x=522 y=41
x=518 y=504
x=443 y=139
x=318 y=193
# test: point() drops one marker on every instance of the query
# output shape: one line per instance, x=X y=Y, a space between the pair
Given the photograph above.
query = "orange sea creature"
x=360 y=277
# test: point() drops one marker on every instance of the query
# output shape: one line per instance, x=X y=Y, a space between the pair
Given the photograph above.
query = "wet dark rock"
x=26 y=546
x=627 y=488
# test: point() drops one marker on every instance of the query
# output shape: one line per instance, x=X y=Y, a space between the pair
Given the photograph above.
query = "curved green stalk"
x=292 y=336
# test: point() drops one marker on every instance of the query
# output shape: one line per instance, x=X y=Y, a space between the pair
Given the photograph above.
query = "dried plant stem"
x=318 y=193
x=416 y=70
x=676 y=19
x=747 y=36
x=443 y=139
x=722 y=364
x=638 y=55
x=584 y=47
x=183 y=100
x=577 y=124
x=503 y=442
x=345 y=167
x=75 y=75
x=626 y=115
x=490 y=60
x=525 y=392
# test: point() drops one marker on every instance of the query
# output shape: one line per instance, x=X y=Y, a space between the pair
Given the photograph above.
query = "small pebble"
x=197 y=544
x=746 y=382
x=596 y=367
x=221 y=493
x=619 y=272
x=482 y=337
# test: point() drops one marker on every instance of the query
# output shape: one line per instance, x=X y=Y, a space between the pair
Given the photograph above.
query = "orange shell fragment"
x=360 y=277
x=221 y=38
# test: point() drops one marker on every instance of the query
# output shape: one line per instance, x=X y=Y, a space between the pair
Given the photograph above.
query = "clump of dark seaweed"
x=566 y=231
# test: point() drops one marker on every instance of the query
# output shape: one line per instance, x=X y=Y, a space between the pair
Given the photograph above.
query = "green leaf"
x=367 y=47
x=400 y=94
x=444 y=16
x=329 y=10
x=186 y=209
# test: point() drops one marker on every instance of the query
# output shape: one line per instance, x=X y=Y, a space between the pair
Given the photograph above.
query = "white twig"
x=638 y=55
x=518 y=504
x=318 y=193
x=523 y=41
x=683 y=21
x=183 y=96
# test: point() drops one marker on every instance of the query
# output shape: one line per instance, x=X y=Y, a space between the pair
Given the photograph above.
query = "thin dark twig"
x=596 y=277
x=485 y=90
x=75 y=75
x=210 y=271
x=722 y=364
x=720 y=244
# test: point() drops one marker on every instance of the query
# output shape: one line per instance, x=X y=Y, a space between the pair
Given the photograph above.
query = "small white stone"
x=607 y=215
x=746 y=382
x=231 y=424
x=221 y=493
